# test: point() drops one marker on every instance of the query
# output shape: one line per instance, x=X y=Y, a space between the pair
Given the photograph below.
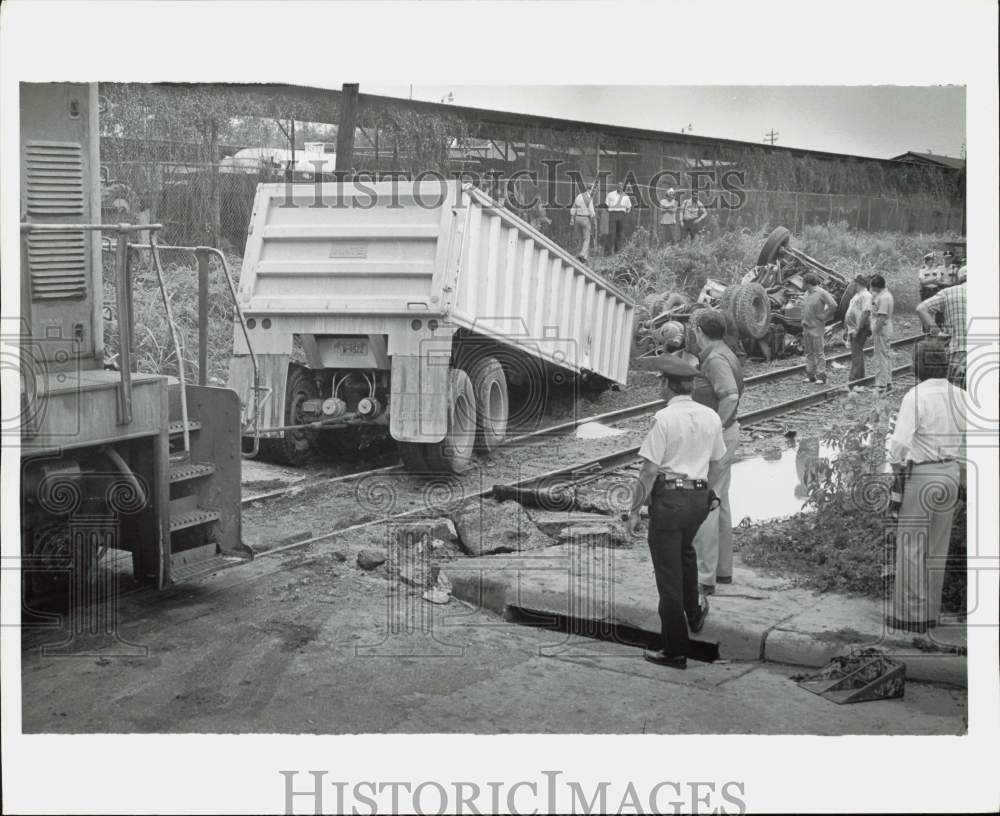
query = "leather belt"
x=681 y=484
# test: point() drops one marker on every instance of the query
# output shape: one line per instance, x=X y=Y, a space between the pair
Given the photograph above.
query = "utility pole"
x=771 y=136
x=345 y=127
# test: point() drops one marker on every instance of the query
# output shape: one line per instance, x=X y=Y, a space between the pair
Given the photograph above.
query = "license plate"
x=356 y=347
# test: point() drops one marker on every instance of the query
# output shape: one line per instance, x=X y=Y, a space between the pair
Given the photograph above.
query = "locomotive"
x=113 y=460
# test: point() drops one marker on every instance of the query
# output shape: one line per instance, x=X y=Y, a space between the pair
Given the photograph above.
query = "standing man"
x=926 y=444
x=719 y=387
x=682 y=454
x=858 y=328
x=817 y=305
x=882 y=330
x=668 y=220
x=582 y=217
x=619 y=206
x=949 y=305
x=693 y=213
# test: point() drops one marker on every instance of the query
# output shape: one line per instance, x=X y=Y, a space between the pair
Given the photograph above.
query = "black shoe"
x=697 y=621
x=810 y=379
x=707 y=589
x=821 y=380
x=661 y=658
x=723 y=580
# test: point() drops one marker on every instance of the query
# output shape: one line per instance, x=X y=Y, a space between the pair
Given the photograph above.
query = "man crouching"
x=682 y=453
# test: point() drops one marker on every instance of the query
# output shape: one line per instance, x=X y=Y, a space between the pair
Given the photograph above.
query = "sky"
x=881 y=120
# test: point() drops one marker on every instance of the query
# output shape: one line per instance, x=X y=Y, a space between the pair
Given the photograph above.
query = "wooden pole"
x=345 y=127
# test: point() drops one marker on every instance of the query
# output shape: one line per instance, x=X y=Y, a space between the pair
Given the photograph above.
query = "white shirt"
x=583 y=205
x=860 y=303
x=930 y=424
x=685 y=437
x=669 y=206
x=618 y=202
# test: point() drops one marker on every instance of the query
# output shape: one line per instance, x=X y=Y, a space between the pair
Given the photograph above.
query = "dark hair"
x=810 y=279
x=877 y=282
x=685 y=386
x=930 y=360
x=712 y=322
x=862 y=280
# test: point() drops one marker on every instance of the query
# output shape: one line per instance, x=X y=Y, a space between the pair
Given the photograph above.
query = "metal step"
x=177 y=426
x=197 y=568
x=185 y=471
x=192 y=518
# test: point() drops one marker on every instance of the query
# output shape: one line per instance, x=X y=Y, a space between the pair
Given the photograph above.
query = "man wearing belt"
x=582 y=216
x=927 y=441
x=882 y=330
x=857 y=328
x=619 y=206
x=668 y=220
x=817 y=305
x=682 y=453
x=719 y=387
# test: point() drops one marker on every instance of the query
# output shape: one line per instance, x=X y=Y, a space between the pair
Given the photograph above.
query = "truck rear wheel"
x=453 y=454
x=492 y=403
x=294 y=447
x=752 y=310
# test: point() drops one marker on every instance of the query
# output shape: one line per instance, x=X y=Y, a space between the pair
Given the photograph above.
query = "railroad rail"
x=618 y=415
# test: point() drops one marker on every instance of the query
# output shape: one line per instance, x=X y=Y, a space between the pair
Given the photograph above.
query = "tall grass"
x=642 y=268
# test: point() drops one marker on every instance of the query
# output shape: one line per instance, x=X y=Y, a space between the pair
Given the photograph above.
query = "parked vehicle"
x=420 y=306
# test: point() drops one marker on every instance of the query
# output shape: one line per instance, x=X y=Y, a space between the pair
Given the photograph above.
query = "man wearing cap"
x=857 y=327
x=693 y=214
x=583 y=215
x=682 y=453
x=719 y=387
x=945 y=313
x=927 y=446
x=817 y=305
x=668 y=220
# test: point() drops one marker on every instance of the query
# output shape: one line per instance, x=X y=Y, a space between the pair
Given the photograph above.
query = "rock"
x=486 y=527
x=418 y=573
x=607 y=534
x=370 y=559
x=552 y=523
x=436 y=596
x=337 y=555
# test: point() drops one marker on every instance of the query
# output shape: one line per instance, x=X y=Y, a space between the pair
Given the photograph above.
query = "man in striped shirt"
x=950 y=303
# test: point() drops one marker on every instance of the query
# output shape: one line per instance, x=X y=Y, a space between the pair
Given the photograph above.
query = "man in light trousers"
x=882 y=331
x=583 y=215
x=719 y=387
x=817 y=306
x=927 y=444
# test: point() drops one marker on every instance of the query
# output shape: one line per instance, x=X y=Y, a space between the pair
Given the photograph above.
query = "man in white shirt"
x=927 y=445
x=582 y=216
x=619 y=206
x=668 y=220
x=682 y=453
x=858 y=327
x=693 y=215
x=882 y=330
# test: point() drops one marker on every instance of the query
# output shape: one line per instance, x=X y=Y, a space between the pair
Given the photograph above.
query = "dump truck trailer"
x=421 y=306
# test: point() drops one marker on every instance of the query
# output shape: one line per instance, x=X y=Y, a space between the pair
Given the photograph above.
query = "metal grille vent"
x=55 y=178
x=57 y=261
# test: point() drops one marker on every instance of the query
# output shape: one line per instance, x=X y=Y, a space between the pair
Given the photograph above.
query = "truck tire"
x=775 y=242
x=845 y=300
x=752 y=311
x=295 y=447
x=489 y=384
x=453 y=454
x=726 y=301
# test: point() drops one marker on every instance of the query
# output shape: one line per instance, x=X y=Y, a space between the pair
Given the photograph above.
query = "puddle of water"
x=769 y=487
x=595 y=430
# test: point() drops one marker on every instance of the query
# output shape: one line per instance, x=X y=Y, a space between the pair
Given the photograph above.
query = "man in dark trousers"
x=682 y=453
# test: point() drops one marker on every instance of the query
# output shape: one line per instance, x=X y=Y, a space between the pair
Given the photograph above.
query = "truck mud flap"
x=418 y=408
x=273 y=375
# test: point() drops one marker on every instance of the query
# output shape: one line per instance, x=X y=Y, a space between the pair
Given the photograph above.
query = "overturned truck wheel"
x=775 y=242
x=294 y=447
x=752 y=310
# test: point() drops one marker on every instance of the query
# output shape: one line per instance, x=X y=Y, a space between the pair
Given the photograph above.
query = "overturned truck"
x=421 y=307
x=764 y=310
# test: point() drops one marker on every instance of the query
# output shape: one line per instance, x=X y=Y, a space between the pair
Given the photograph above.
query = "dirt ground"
x=306 y=642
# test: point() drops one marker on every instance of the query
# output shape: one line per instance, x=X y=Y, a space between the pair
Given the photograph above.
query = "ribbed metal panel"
x=57 y=261
x=54 y=178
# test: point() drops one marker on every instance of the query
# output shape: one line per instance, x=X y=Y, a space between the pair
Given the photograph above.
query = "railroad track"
x=609 y=417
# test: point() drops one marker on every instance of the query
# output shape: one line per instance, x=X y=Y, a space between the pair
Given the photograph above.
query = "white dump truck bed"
x=361 y=258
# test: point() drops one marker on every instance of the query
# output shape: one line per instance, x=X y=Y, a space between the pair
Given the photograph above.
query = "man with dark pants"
x=719 y=386
x=682 y=453
x=857 y=328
